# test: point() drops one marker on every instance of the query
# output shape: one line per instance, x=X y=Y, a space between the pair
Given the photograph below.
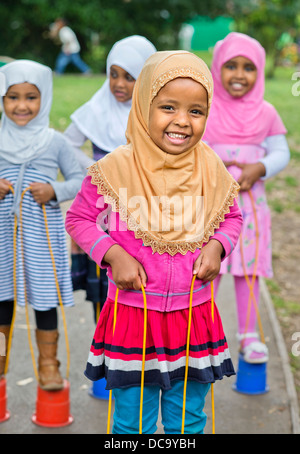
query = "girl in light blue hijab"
x=31 y=154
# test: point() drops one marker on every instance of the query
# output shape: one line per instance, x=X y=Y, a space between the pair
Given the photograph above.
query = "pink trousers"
x=246 y=323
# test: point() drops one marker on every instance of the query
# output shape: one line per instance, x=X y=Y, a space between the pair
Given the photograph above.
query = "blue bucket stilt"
x=251 y=378
x=98 y=390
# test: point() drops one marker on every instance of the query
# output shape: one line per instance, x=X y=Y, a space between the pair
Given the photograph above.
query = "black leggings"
x=46 y=320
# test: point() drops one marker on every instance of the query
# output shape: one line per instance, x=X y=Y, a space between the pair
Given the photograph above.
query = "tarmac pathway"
x=235 y=413
x=275 y=412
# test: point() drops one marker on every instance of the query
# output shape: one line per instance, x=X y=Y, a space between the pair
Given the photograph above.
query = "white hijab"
x=103 y=119
x=21 y=144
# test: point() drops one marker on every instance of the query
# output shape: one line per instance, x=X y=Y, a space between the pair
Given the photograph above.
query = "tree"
x=266 y=20
x=24 y=23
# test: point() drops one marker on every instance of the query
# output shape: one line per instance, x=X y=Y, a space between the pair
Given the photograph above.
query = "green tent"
x=202 y=33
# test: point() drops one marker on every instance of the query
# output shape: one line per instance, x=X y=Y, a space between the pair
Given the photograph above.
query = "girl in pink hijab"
x=249 y=136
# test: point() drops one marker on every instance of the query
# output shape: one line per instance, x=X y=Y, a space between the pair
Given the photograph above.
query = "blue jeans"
x=127 y=407
x=63 y=60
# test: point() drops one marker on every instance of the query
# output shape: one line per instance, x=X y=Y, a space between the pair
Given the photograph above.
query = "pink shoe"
x=253 y=351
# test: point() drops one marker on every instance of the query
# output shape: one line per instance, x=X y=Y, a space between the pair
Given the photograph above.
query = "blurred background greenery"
x=193 y=25
x=24 y=26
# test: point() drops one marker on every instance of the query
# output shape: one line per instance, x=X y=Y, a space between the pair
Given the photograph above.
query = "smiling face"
x=178 y=115
x=22 y=103
x=121 y=83
x=238 y=76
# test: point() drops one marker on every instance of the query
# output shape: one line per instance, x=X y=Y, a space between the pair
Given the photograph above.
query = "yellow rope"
x=251 y=284
x=110 y=391
x=212 y=385
x=9 y=342
x=58 y=293
x=25 y=290
x=187 y=356
x=98 y=304
x=143 y=362
x=187 y=353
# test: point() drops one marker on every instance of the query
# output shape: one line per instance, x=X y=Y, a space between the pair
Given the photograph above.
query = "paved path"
x=235 y=413
x=275 y=412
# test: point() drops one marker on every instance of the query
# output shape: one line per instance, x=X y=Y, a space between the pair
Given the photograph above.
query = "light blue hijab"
x=103 y=119
x=19 y=145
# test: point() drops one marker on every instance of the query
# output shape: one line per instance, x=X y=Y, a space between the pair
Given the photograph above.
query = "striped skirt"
x=34 y=266
x=118 y=357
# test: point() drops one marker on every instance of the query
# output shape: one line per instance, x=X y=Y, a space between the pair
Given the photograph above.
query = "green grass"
x=279 y=93
x=282 y=305
x=69 y=93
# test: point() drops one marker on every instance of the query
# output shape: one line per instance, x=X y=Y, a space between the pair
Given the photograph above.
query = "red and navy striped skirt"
x=118 y=356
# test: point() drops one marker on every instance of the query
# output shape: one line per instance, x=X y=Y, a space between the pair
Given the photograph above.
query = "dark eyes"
x=171 y=108
x=128 y=77
x=14 y=98
x=197 y=112
x=248 y=68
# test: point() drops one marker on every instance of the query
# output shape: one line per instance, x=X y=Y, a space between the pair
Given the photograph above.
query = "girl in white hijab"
x=103 y=121
x=30 y=155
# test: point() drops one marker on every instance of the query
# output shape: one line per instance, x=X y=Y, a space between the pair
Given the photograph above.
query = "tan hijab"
x=173 y=203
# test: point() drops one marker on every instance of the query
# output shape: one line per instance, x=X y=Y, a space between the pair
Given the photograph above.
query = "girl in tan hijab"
x=168 y=205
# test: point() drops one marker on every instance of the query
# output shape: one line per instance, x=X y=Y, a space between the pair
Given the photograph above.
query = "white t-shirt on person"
x=70 y=44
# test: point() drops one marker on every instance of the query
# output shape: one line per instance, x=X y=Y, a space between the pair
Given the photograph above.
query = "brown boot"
x=49 y=375
x=4 y=334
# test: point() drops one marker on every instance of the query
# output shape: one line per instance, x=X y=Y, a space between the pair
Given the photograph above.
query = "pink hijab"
x=246 y=120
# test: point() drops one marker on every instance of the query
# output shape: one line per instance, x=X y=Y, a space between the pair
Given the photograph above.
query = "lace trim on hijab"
x=174 y=73
x=160 y=246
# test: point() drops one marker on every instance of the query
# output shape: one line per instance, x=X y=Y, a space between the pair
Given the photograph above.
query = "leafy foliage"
x=24 y=24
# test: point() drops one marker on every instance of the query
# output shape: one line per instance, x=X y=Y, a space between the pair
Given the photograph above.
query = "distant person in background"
x=70 y=51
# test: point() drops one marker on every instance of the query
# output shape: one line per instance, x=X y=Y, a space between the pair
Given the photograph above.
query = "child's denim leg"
x=127 y=410
x=172 y=400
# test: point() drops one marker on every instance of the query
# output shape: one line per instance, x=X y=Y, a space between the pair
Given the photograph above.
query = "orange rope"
x=110 y=391
x=143 y=362
x=58 y=292
x=187 y=356
x=9 y=342
x=212 y=385
x=25 y=289
x=251 y=284
x=98 y=304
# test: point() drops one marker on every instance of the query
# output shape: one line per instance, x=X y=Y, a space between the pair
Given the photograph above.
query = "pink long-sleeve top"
x=168 y=277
